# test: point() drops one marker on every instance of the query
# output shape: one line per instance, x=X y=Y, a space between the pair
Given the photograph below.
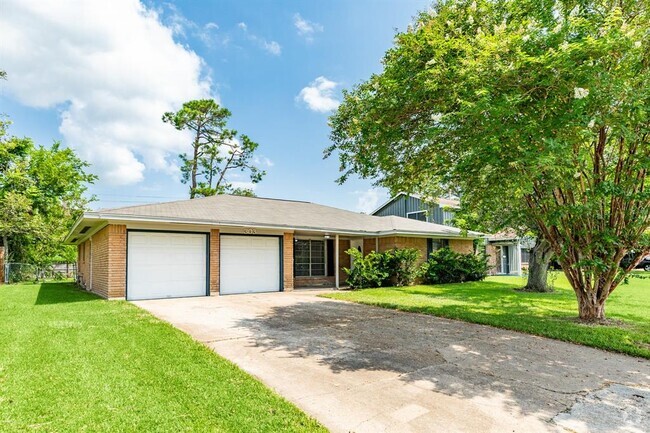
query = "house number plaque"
x=250 y=231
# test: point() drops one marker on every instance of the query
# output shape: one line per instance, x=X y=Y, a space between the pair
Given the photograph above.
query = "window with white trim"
x=420 y=215
x=309 y=258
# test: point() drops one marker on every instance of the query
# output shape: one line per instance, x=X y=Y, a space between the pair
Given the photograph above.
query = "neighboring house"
x=414 y=207
x=230 y=244
x=508 y=253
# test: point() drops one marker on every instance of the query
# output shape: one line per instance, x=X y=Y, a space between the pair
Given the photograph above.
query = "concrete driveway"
x=362 y=369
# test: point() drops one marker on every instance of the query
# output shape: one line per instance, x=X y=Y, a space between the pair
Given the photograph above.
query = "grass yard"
x=71 y=362
x=495 y=302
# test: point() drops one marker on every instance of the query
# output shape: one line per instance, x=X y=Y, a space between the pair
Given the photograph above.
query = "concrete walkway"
x=363 y=369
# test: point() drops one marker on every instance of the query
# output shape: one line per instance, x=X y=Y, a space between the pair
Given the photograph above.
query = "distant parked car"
x=643 y=264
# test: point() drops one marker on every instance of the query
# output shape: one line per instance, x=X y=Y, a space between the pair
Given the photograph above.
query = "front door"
x=505 y=259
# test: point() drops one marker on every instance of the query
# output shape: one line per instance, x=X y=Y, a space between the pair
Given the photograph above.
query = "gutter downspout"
x=90 y=286
x=336 y=261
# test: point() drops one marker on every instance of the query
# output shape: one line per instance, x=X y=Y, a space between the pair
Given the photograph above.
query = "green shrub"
x=401 y=265
x=392 y=267
x=368 y=271
x=447 y=266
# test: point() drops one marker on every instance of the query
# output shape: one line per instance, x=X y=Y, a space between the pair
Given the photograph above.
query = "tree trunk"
x=540 y=258
x=195 y=162
x=5 y=243
x=590 y=308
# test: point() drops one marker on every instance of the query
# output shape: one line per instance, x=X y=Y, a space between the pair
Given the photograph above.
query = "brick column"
x=214 y=261
x=287 y=261
x=116 y=260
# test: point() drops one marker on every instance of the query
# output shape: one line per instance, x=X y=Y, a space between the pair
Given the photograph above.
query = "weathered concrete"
x=363 y=369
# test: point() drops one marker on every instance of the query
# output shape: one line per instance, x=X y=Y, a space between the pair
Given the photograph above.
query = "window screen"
x=525 y=255
x=309 y=258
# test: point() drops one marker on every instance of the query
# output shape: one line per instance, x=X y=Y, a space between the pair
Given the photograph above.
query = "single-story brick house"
x=231 y=244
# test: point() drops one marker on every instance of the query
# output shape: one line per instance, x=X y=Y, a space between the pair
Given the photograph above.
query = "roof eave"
x=394 y=232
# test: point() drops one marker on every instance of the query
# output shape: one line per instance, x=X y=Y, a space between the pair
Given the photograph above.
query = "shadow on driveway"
x=521 y=373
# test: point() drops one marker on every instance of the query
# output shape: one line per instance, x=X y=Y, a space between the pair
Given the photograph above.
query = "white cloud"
x=368 y=200
x=180 y=26
x=112 y=69
x=271 y=46
x=319 y=95
x=263 y=161
x=306 y=28
x=243 y=184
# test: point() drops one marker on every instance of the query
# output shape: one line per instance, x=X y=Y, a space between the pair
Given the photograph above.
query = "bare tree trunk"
x=590 y=308
x=5 y=243
x=540 y=258
x=195 y=162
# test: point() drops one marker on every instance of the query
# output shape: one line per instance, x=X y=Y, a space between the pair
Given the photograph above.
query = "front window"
x=309 y=258
x=435 y=245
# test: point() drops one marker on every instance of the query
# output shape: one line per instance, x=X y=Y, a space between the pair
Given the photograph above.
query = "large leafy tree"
x=543 y=104
x=217 y=151
x=42 y=192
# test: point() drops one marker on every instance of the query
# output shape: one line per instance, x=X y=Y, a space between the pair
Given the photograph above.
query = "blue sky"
x=98 y=76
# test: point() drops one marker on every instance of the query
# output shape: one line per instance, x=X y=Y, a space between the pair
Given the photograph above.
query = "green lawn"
x=496 y=302
x=71 y=362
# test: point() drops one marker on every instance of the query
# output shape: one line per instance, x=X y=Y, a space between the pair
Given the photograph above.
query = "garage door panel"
x=249 y=264
x=166 y=265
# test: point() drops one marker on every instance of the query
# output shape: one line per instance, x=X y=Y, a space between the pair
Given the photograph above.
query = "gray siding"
x=403 y=205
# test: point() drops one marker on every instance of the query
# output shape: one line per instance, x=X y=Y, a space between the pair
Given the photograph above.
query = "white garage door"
x=249 y=264
x=166 y=265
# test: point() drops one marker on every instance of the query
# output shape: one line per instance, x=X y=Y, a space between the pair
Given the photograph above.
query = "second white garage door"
x=249 y=264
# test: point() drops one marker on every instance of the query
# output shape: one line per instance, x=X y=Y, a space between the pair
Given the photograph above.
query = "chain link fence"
x=21 y=272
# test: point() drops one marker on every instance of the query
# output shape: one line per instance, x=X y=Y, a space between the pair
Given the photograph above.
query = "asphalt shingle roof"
x=267 y=212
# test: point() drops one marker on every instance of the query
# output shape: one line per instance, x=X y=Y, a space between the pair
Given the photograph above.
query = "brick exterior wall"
x=287 y=261
x=104 y=257
x=391 y=242
x=117 y=261
x=369 y=244
x=2 y=265
x=493 y=254
x=214 y=261
x=98 y=283
x=83 y=264
x=302 y=282
x=463 y=246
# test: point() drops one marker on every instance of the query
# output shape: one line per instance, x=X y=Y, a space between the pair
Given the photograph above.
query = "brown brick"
x=463 y=246
x=369 y=245
x=287 y=261
x=101 y=262
x=391 y=242
x=493 y=254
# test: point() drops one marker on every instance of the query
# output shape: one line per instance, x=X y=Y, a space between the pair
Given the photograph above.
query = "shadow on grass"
x=62 y=293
